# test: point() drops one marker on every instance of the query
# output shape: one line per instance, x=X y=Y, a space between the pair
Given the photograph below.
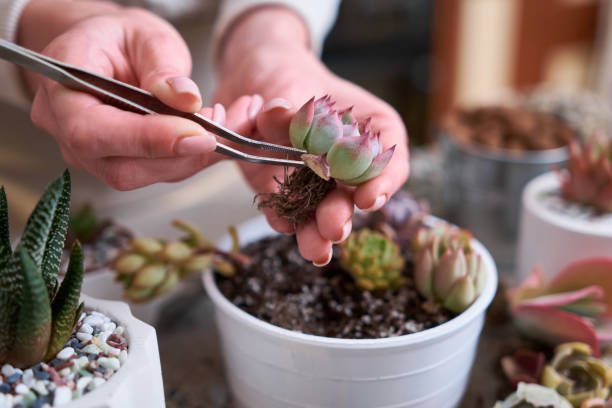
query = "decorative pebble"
x=13 y=378
x=83 y=382
x=123 y=357
x=62 y=395
x=85 y=328
x=28 y=377
x=4 y=387
x=66 y=353
x=110 y=327
x=98 y=381
x=91 y=349
x=21 y=388
x=94 y=320
x=119 y=330
x=8 y=370
x=84 y=337
x=39 y=387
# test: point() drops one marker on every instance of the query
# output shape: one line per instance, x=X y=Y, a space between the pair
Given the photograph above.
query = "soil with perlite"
x=282 y=288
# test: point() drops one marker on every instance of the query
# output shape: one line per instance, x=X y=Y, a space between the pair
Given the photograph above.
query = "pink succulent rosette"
x=338 y=146
x=576 y=305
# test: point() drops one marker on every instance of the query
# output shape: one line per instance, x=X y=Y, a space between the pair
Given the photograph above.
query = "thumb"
x=162 y=63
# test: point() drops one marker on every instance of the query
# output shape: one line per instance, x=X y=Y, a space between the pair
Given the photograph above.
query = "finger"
x=278 y=224
x=162 y=63
x=274 y=119
x=234 y=118
x=334 y=215
x=313 y=246
x=373 y=194
x=96 y=130
x=128 y=174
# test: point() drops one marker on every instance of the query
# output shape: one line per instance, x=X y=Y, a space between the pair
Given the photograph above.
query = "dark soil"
x=515 y=129
x=281 y=288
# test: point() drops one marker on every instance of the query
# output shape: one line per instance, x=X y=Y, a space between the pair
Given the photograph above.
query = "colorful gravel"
x=96 y=349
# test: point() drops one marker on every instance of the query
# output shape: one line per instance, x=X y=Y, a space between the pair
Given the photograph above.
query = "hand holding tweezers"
x=131 y=98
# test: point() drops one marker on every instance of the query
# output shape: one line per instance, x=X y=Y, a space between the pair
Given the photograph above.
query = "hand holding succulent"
x=446 y=268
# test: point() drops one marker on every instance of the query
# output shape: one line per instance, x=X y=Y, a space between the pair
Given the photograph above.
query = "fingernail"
x=194 y=145
x=255 y=106
x=380 y=201
x=276 y=103
x=184 y=85
x=326 y=261
x=218 y=114
x=346 y=230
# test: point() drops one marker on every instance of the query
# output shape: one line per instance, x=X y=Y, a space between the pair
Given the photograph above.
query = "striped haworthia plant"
x=36 y=317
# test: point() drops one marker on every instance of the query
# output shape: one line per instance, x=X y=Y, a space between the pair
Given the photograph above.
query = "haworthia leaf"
x=5 y=241
x=10 y=298
x=34 y=318
x=52 y=254
x=66 y=302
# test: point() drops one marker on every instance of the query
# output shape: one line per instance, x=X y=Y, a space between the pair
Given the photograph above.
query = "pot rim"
x=476 y=309
x=549 y=182
x=546 y=156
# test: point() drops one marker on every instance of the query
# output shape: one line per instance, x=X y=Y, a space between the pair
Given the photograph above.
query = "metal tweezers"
x=131 y=98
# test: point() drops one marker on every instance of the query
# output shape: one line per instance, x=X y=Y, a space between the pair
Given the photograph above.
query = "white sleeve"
x=319 y=16
x=11 y=84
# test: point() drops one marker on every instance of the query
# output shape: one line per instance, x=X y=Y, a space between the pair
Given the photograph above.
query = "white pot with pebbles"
x=111 y=360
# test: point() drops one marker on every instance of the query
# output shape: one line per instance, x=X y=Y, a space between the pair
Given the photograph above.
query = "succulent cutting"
x=150 y=267
x=37 y=317
x=577 y=375
x=372 y=259
x=447 y=270
x=574 y=306
x=588 y=178
x=339 y=148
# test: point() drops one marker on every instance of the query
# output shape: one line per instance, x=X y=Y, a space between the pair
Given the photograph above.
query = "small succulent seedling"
x=577 y=375
x=574 y=306
x=447 y=270
x=372 y=259
x=534 y=396
x=150 y=267
x=37 y=317
x=338 y=147
x=588 y=178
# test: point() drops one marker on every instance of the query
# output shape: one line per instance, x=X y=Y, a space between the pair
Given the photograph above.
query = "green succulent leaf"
x=5 y=279
x=66 y=302
x=33 y=327
x=5 y=241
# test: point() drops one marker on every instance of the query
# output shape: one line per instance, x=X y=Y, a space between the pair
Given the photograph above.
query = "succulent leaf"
x=324 y=132
x=300 y=124
x=534 y=396
x=33 y=327
x=423 y=273
x=376 y=168
x=318 y=164
x=461 y=295
x=66 y=302
x=523 y=366
x=350 y=157
x=5 y=241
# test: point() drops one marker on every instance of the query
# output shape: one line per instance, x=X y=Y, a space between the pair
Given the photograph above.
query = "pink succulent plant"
x=588 y=178
x=337 y=145
x=576 y=305
x=523 y=366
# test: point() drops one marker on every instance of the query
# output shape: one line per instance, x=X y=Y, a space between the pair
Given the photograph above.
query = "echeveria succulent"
x=446 y=268
x=588 y=178
x=37 y=317
x=372 y=259
x=573 y=306
x=337 y=145
x=577 y=375
x=150 y=267
x=534 y=396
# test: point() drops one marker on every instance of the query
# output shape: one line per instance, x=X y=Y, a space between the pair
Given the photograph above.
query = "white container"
x=138 y=383
x=551 y=239
x=269 y=367
x=102 y=285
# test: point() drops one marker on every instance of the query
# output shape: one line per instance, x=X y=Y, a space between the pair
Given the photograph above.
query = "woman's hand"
x=286 y=74
x=126 y=150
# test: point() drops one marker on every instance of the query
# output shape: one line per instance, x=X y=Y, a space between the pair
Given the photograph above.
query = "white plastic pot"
x=552 y=240
x=138 y=383
x=102 y=285
x=269 y=367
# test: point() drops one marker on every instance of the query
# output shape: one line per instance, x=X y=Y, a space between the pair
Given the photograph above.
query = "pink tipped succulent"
x=574 y=306
x=588 y=178
x=446 y=268
x=337 y=145
x=523 y=366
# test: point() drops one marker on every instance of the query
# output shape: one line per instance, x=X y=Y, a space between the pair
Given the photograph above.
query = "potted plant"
x=145 y=272
x=489 y=154
x=421 y=356
x=567 y=214
x=55 y=345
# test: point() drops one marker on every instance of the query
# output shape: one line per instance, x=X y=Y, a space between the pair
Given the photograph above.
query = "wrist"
x=262 y=28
